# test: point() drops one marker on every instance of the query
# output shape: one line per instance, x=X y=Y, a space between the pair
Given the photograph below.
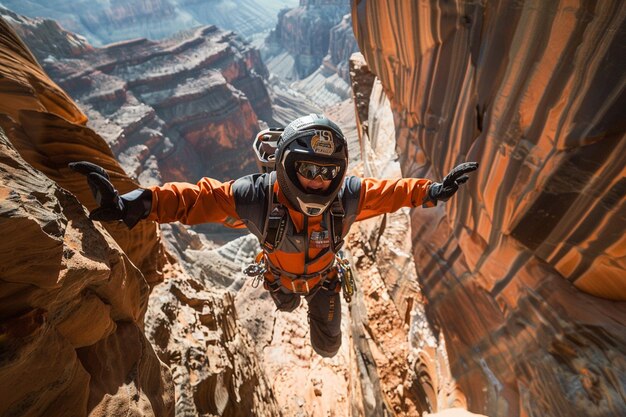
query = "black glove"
x=130 y=207
x=450 y=184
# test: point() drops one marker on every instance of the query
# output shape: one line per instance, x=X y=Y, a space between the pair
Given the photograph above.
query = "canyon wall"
x=303 y=33
x=309 y=48
x=329 y=84
x=414 y=377
x=521 y=274
x=72 y=303
x=170 y=111
x=75 y=293
x=523 y=270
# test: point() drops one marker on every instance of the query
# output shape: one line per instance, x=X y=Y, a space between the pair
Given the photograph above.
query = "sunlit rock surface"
x=74 y=293
x=389 y=309
x=72 y=303
x=519 y=269
x=107 y=21
x=48 y=130
x=196 y=332
x=173 y=110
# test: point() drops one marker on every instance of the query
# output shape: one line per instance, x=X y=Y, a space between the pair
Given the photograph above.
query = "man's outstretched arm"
x=207 y=201
x=380 y=196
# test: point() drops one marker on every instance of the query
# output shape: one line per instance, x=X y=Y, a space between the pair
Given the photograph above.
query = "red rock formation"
x=196 y=332
x=48 y=130
x=74 y=293
x=72 y=304
x=393 y=299
x=517 y=268
x=175 y=109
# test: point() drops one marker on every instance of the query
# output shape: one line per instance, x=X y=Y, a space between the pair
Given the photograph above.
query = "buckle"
x=300 y=290
x=302 y=286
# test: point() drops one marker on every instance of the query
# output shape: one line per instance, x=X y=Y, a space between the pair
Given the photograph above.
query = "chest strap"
x=278 y=216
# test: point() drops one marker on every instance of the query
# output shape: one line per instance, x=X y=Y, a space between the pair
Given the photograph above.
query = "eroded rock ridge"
x=75 y=293
x=170 y=110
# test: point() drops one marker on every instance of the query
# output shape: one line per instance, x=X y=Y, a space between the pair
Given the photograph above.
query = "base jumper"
x=300 y=212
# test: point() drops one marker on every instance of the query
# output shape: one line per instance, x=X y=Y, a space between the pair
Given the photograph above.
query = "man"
x=300 y=213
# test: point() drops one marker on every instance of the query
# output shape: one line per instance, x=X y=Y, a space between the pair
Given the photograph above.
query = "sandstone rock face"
x=174 y=110
x=302 y=383
x=106 y=21
x=519 y=267
x=196 y=332
x=412 y=377
x=48 y=130
x=74 y=293
x=72 y=303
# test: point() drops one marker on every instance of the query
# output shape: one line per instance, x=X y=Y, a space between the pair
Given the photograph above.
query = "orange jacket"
x=212 y=201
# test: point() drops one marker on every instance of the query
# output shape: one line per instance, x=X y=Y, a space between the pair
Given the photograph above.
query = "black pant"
x=324 y=316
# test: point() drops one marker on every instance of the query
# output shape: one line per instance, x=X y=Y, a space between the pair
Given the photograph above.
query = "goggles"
x=310 y=170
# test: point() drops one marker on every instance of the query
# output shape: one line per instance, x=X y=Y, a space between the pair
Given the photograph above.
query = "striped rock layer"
x=525 y=268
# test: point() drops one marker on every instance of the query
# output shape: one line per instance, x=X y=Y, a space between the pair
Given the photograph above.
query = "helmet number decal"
x=322 y=142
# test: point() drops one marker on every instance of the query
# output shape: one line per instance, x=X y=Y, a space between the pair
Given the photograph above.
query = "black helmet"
x=316 y=139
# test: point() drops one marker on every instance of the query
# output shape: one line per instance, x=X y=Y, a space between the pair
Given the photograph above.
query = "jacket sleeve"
x=207 y=201
x=380 y=196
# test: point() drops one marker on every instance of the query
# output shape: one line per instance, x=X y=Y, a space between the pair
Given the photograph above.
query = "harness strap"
x=298 y=284
x=274 y=286
x=278 y=215
x=274 y=232
x=276 y=271
x=337 y=215
x=276 y=219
